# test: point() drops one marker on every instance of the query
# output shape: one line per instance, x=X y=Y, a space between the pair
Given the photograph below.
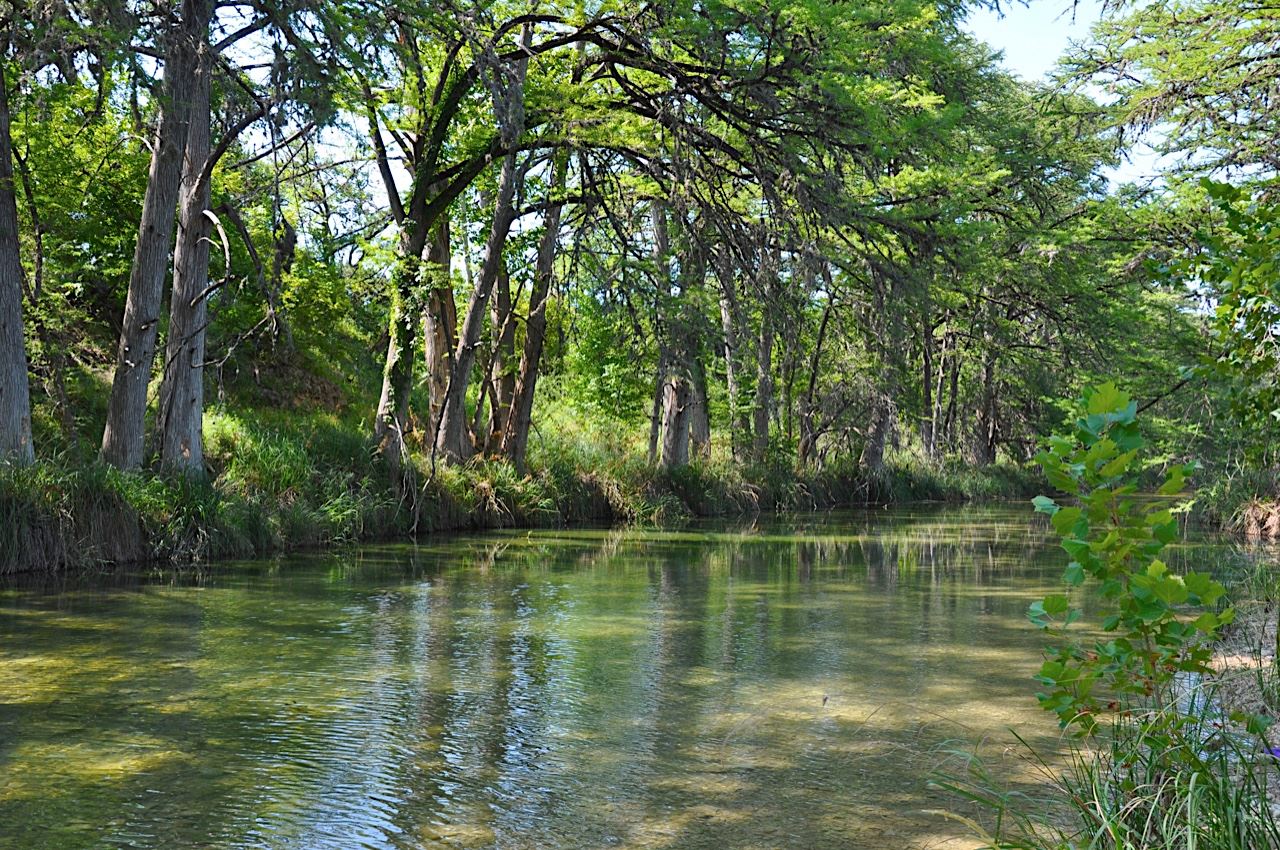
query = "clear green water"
x=785 y=684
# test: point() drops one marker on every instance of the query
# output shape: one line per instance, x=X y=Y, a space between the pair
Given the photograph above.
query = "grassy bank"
x=281 y=482
x=1243 y=501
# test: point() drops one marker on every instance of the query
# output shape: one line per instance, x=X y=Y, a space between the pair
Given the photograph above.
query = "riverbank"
x=320 y=483
x=1244 y=502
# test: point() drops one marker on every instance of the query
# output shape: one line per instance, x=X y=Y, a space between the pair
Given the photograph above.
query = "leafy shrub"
x=1116 y=538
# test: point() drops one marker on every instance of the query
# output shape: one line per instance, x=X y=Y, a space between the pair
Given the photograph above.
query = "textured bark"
x=699 y=413
x=439 y=323
x=674 y=392
x=809 y=427
x=731 y=320
x=181 y=411
x=935 y=395
x=888 y=347
x=453 y=440
x=515 y=441
x=762 y=404
x=123 y=436
x=655 y=409
x=953 y=393
x=692 y=344
x=392 y=422
x=926 y=383
x=15 y=393
x=502 y=369
x=764 y=389
x=878 y=436
x=675 y=421
x=987 y=432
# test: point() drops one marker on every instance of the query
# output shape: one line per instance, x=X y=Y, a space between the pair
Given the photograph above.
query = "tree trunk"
x=674 y=397
x=15 y=393
x=515 y=440
x=953 y=392
x=675 y=422
x=439 y=323
x=730 y=321
x=123 y=436
x=392 y=423
x=454 y=441
x=54 y=348
x=935 y=398
x=699 y=413
x=878 y=437
x=764 y=389
x=927 y=422
x=888 y=345
x=987 y=433
x=655 y=409
x=808 y=428
x=502 y=374
x=986 y=428
x=181 y=411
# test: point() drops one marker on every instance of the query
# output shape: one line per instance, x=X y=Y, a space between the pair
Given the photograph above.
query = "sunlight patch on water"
x=789 y=684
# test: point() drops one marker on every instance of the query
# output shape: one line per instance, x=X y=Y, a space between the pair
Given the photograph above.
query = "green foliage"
x=1115 y=536
x=1155 y=764
x=1236 y=274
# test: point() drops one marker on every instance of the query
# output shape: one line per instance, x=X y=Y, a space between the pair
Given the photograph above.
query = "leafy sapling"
x=1158 y=624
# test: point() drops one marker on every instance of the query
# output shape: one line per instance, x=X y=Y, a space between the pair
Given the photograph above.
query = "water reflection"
x=783 y=684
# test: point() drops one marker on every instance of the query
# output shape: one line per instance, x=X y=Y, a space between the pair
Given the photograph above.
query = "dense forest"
x=298 y=269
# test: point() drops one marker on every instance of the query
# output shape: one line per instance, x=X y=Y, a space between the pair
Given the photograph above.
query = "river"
x=788 y=682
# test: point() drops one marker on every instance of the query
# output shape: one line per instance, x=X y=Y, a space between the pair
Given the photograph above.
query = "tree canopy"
x=780 y=232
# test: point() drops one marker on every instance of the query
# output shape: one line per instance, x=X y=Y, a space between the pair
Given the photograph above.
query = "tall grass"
x=1132 y=790
x=1241 y=501
x=282 y=480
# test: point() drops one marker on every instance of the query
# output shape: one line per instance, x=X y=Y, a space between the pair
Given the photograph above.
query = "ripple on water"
x=725 y=690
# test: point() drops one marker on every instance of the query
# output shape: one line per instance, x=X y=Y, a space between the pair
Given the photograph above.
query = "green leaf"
x=1254 y=724
x=1064 y=519
x=1056 y=603
x=1107 y=398
x=1045 y=505
x=1206 y=622
x=1205 y=588
x=1174 y=483
x=1118 y=465
x=1074 y=574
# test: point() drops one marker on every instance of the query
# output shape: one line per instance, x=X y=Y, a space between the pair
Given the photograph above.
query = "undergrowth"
x=286 y=480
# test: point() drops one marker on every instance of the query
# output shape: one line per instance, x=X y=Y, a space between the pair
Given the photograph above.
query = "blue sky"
x=1033 y=37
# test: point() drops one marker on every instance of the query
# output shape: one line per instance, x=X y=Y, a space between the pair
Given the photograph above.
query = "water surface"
x=785 y=683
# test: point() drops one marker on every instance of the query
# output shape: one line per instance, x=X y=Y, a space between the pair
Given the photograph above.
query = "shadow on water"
x=788 y=683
